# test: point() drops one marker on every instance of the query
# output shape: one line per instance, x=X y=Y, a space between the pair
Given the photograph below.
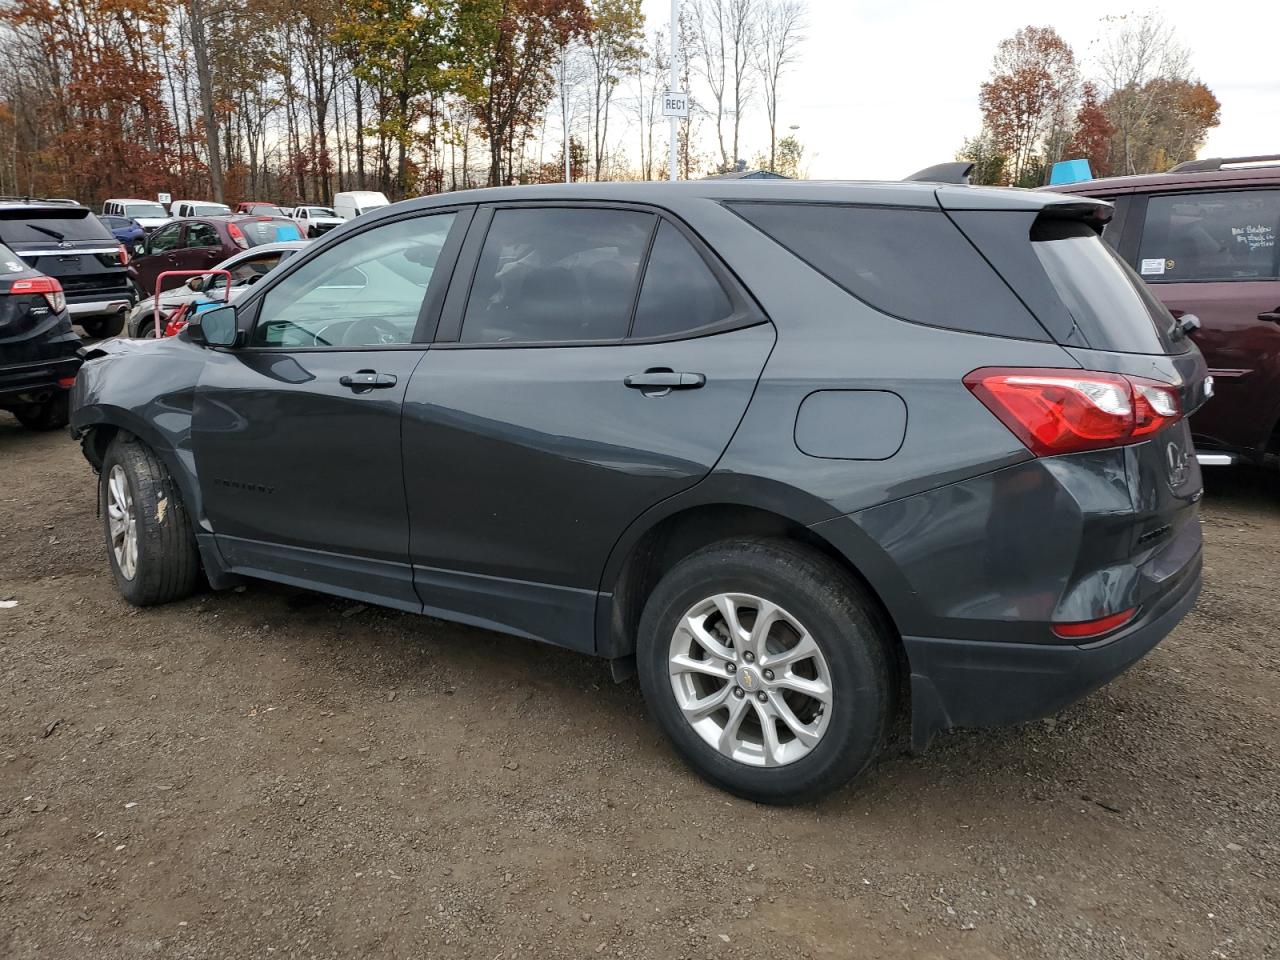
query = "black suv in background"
x=38 y=349
x=67 y=242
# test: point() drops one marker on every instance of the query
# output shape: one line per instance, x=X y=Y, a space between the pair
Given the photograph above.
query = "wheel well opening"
x=679 y=535
x=95 y=443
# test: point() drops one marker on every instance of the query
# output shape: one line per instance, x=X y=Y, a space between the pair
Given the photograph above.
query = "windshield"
x=25 y=225
x=136 y=210
x=209 y=209
x=1111 y=306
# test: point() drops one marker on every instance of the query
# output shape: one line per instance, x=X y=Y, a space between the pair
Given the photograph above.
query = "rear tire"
x=150 y=543
x=104 y=327
x=49 y=415
x=829 y=708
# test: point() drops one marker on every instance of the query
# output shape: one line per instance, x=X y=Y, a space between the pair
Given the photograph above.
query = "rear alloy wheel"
x=150 y=543
x=768 y=667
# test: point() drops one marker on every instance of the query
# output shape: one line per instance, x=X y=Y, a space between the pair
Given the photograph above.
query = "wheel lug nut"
x=749 y=657
x=731 y=667
x=739 y=692
x=768 y=675
x=762 y=697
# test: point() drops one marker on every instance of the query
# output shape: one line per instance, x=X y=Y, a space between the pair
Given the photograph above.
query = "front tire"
x=150 y=544
x=768 y=667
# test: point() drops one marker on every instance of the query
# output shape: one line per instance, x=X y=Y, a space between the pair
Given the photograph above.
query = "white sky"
x=885 y=87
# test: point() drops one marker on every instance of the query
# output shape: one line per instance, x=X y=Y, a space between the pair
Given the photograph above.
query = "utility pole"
x=672 y=82
x=564 y=113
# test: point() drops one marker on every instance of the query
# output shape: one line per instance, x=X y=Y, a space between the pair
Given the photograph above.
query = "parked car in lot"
x=247 y=267
x=353 y=203
x=779 y=447
x=260 y=209
x=68 y=243
x=128 y=232
x=39 y=351
x=200 y=243
x=316 y=220
x=149 y=214
x=1203 y=236
x=198 y=208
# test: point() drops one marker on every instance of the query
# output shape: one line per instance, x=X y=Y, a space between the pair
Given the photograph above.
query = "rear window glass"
x=1110 y=305
x=10 y=262
x=269 y=231
x=1211 y=236
x=50 y=226
x=146 y=210
x=913 y=264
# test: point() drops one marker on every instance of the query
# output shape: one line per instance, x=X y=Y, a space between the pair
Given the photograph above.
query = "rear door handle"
x=1271 y=316
x=367 y=380
x=661 y=379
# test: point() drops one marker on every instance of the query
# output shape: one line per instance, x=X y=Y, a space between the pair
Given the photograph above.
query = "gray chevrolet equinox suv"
x=795 y=452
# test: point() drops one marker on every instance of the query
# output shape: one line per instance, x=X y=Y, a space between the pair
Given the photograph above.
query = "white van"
x=350 y=205
x=198 y=208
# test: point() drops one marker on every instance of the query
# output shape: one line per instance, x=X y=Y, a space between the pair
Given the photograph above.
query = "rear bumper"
x=84 y=309
x=30 y=381
x=970 y=683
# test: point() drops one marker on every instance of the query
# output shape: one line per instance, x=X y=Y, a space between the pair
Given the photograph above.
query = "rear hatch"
x=34 y=325
x=69 y=244
x=1093 y=304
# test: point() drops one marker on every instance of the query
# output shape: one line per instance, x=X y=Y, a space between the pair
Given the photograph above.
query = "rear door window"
x=911 y=263
x=680 y=294
x=165 y=239
x=202 y=235
x=556 y=274
x=1229 y=235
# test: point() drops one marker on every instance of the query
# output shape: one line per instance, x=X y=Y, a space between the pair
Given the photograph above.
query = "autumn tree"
x=782 y=25
x=614 y=47
x=1033 y=80
x=726 y=33
x=1091 y=138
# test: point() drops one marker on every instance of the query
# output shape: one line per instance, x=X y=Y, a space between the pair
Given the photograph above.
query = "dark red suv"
x=1203 y=236
x=202 y=242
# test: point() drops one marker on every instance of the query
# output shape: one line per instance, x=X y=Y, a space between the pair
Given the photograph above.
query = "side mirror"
x=215 y=328
x=139 y=248
x=196 y=283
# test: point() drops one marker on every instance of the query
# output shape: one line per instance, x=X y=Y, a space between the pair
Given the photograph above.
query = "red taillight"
x=1088 y=629
x=66 y=382
x=124 y=255
x=1066 y=411
x=49 y=287
x=237 y=236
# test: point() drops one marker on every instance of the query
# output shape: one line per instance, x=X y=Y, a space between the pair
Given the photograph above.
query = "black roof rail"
x=954 y=171
x=1217 y=163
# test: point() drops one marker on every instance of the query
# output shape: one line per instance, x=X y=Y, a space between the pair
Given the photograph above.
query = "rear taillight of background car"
x=1067 y=411
x=124 y=255
x=237 y=236
x=48 y=287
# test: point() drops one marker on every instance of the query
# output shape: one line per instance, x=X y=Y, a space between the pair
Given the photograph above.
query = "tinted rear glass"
x=1211 y=236
x=1110 y=305
x=911 y=263
x=25 y=225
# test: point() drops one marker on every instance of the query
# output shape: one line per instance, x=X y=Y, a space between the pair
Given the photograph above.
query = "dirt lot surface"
x=273 y=773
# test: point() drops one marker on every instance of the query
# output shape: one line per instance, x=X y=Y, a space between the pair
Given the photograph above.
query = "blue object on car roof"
x=1070 y=171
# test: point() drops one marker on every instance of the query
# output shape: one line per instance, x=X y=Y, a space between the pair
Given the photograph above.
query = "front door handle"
x=663 y=379
x=367 y=380
x=1271 y=316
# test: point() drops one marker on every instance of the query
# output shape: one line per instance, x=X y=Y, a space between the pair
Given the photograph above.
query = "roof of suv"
x=881 y=193
x=1196 y=174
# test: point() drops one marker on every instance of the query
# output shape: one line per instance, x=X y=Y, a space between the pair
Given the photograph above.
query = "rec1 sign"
x=675 y=105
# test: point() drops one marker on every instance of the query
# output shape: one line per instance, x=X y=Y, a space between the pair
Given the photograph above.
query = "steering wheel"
x=372 y=331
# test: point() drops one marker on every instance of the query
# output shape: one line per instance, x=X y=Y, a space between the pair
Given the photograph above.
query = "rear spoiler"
x=956 y=171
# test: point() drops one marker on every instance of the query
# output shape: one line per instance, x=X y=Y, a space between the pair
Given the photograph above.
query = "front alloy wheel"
x=122 y=522
x=750 y=679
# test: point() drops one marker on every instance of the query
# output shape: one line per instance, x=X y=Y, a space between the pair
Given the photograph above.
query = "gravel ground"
x=271 y=772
